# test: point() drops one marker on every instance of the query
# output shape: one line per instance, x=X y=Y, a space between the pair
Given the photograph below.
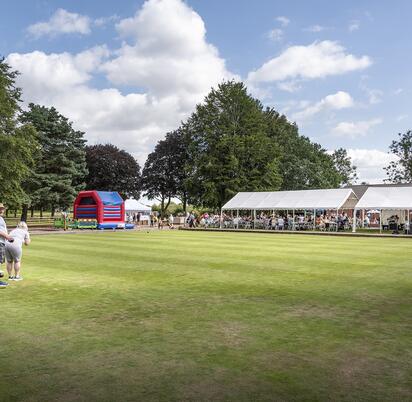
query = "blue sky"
x=129 y=71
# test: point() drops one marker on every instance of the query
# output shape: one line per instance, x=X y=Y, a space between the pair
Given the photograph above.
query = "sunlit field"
x=199 y=316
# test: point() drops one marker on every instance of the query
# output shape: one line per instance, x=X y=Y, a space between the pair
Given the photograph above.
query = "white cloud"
x=370 y=164
x=398 y=91
x=354 y=25
x=402 y=117
x=169 y=53
x=167 y=59
x=284 y=21
x=61 y=22
x=102 y=21
x=275 y=34
x=315 y=28
x=337 y=101
x=375 y=96
x=356 y=129
x=289 y=86
x=317 y=60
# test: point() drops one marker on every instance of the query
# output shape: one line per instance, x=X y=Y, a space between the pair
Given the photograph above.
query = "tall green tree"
x=18 y=143
x=344 y=166
x=400 y=170
x=112 y=169
x=302 y=163
x=162 y=177
x=229 y=147
x=60 y=167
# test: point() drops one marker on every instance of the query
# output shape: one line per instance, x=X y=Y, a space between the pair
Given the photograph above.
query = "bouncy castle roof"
x=110 y=197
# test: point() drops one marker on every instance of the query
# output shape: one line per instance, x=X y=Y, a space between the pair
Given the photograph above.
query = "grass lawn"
x=172 y=316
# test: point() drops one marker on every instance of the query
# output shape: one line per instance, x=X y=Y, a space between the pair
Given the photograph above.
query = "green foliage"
x=60 y=167
x=163 y=175
x=400 y=170
x=303 y=164
x=18 y=144
x=229 y=147
x=112 y=169
x=343 y=165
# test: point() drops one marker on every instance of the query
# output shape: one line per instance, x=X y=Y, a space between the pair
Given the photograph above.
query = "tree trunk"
x=32 y=212
x=168 y=203
x=185 y=204
x=162 y=207
x=41 y=212
x=15 y=213
x=24 y=212
x=52 y=212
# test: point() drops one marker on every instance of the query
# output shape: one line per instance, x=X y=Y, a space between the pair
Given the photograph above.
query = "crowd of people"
x=323 y=221
x=11 y=248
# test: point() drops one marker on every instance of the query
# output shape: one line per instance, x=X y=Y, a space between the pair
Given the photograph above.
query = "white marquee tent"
x=386 y=198
x=293 y=200
x=133 y=206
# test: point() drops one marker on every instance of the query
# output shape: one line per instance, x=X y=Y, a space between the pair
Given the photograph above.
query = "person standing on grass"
x=3 y=237
x=14 y=250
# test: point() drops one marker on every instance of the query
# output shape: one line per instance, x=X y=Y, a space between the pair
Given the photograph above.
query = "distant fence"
x=35 y=222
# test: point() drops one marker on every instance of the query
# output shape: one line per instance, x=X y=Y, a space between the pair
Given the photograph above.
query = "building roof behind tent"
x=360 y=189
x=386 y=197
x=133 y=205
x=300 y=199
x=110 y=197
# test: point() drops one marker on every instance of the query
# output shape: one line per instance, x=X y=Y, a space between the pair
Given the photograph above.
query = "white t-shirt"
x=19 y=236
x=3 y=228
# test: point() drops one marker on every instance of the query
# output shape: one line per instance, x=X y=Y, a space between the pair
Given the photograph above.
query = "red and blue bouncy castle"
x=106 y=207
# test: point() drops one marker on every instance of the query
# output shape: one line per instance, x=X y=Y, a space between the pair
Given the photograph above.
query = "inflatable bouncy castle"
x=106 y=208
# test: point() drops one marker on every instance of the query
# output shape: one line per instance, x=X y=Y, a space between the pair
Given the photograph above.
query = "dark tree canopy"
x=60 y=167
x=302 y=163
x=112 y=169
x=162 y=176
x=18 y=144
x=400 y=170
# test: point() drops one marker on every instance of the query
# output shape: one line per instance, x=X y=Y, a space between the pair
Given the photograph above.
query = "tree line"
x=230 y=143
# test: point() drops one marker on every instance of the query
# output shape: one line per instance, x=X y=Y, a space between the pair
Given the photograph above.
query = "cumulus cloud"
x=317 y=60
x=284 y=21
x=169 y=53
x=356 y=129
x=61 y=22
x=337 y=101
x=370 y=164
x=165 y=58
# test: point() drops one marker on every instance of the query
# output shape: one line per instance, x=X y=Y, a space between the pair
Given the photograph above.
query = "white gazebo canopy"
x=293 y=200
x=132 y=205
x=386 y=198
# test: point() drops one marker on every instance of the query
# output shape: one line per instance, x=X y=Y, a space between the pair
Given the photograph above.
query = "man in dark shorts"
x=3 y=237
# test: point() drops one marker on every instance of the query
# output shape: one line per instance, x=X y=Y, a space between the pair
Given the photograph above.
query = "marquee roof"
x=132 y=205
x=386 y=198
x=301 y=199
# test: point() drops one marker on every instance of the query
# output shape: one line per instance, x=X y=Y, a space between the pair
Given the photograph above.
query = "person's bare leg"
x=17 y=266
x=10 y=268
